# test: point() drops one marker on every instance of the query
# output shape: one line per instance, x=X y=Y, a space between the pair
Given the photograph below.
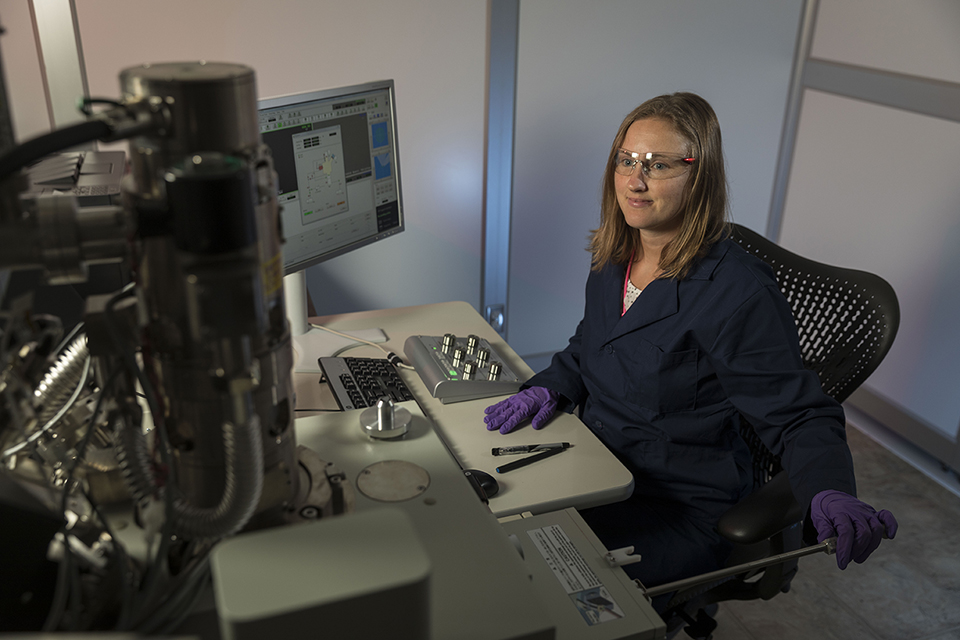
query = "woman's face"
x=652 y=206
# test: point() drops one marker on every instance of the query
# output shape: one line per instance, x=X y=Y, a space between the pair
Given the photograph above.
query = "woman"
x=682 y=333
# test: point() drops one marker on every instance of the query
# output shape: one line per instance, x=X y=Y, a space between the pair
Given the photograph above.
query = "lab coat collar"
x=660 y=299
x=704 y=270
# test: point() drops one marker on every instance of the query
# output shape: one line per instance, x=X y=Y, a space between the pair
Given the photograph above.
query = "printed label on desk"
x=587 y=593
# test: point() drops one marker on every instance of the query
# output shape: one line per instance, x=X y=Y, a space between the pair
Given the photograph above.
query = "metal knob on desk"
x=385 y=420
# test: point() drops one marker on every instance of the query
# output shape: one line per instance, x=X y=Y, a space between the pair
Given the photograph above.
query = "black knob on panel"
x=482 y=356
x=447 y=343
x=472 y=343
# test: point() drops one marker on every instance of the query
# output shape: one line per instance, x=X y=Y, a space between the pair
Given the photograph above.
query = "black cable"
x=127 y=355
x=173 y=609
x=174 y=623
x=66 y=569
x=60 y=594
x=42 y=146
x=77 y=328
x=152 y=576
x=125 y=573
x=76 y=597
x=86 y=103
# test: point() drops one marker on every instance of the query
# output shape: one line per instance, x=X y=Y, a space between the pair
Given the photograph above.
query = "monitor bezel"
x=336 y=92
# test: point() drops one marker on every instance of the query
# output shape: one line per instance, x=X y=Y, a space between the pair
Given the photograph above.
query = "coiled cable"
x=59 y=390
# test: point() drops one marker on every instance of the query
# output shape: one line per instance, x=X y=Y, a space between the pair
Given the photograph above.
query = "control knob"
x=385 y=420
x=482 y=356
x=447 y=343
x=472 y=343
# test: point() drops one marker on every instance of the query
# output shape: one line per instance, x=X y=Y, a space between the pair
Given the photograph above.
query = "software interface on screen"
x=335 y=153
x=336 y=159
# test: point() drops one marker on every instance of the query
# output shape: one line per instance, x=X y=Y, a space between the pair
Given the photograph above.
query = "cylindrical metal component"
x=60 y=240
x=213 y=105
x=211 y=201
x=828 y=546
x=448 y=341
x=63 y=239
x=386 y=420
x=104 y=233
x=495 y=369
x=469 y=370
x=482 y=356
x=458 y=355
x=472 y=343
x=211 y=275
x=385 y=413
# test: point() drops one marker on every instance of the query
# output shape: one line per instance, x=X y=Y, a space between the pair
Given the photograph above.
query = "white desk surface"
x=585 y=475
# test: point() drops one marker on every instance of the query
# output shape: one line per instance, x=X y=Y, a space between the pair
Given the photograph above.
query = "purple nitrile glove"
x=538 y=402
x=857 y=526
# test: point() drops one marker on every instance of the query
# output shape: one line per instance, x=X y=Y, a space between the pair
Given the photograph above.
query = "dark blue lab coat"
x=663 y=387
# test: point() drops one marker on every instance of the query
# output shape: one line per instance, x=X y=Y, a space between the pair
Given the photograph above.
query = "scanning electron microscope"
x=152 y=475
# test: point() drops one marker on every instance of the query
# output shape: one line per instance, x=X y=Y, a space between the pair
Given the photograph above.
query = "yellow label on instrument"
x=272 y=273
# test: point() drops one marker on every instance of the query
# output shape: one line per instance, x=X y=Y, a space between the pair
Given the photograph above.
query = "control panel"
x=455 y=369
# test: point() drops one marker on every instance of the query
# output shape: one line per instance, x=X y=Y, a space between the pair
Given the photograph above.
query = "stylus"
x=524 y=462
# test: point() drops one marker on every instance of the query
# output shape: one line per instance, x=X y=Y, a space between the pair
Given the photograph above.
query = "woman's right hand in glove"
x=539 y=403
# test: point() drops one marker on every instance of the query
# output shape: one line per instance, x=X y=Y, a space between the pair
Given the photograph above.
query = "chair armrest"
x=765 y=512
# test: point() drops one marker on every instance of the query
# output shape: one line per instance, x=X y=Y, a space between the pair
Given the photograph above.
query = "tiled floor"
x=909 y=589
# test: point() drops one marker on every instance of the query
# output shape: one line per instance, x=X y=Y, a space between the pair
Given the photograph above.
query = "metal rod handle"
x=828 y=546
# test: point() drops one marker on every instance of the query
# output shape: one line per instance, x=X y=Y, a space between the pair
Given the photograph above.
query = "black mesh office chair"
x=847 y=320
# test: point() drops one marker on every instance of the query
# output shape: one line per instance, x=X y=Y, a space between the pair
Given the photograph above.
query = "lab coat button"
x=609 y=349
x=598 y=425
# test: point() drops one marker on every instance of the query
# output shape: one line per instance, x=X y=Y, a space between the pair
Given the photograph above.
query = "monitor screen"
x=335 y=153
x=338 y=182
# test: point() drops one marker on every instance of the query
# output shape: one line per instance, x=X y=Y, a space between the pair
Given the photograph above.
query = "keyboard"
x=359 y=382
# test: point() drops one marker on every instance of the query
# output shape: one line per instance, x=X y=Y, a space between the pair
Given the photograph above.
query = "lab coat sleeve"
x=563 y=374
x=757 y=360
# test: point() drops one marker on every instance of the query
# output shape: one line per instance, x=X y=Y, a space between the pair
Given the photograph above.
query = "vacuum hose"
x=243 y=482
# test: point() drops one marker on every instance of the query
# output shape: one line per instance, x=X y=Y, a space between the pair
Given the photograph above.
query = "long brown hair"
x=704 y=209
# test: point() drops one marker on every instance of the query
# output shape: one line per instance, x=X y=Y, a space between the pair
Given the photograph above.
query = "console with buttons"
x=455 y=369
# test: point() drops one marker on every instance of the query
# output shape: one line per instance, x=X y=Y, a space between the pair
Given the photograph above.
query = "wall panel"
x=435 y=50
x=582 y=67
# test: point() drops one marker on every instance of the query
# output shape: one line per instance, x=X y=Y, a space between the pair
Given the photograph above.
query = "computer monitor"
x=338 y=167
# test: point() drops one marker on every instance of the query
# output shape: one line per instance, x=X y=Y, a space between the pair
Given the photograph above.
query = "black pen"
x=510 y=466
x=529 y=448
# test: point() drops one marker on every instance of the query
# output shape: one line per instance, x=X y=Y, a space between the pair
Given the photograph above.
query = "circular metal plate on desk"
x=393 y=481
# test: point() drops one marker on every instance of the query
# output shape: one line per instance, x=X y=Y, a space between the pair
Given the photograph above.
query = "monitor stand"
x=310 y=344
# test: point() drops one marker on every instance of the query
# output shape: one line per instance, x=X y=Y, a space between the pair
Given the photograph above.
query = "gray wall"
x=582 y=67
x=435 y=50
x=873 y=185
x=21 y=68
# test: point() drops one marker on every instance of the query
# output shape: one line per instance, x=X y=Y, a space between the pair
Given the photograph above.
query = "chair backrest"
x=847 y=319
